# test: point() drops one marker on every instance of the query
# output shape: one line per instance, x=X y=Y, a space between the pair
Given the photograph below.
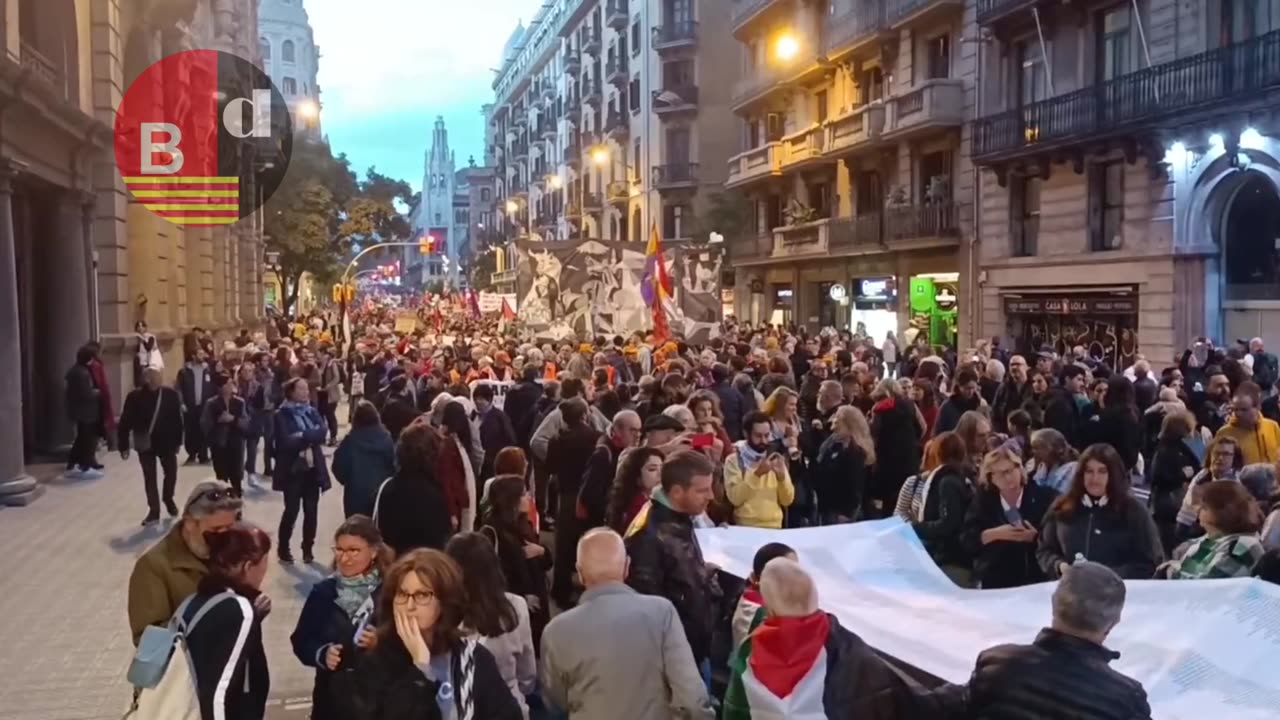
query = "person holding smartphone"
x=1003 y=522
x=756 y=477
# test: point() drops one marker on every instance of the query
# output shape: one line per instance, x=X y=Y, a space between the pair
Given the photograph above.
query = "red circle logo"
x=203 y=138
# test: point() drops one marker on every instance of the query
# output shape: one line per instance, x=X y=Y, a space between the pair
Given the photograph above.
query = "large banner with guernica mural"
x=589 y=288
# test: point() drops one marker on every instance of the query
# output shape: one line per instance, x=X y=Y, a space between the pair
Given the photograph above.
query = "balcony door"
x=677 y=13
x=678 y=145
x=1240 y=20
x=868 y=193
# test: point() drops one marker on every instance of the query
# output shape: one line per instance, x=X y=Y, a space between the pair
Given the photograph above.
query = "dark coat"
x=1062 y=414
x=944 y=510
x=140 y=407
x=1057 y=677
x=496 y=433
x=951 y=410
x=1145 y=393
x=220 y=434
x=839 y=477
x=1009 y=397
x=412 y=513
x=862 y=685
x=1005 y=564
x=1119 y=429
x=292 y=442
x=229 y=635
x=597 y=481
x=521 y=406
x=1124 y=539
x=568 y=454
x=1169 y=478
x=397 y=412
x=666 y=561
x=524 y=576
x=387 y=686
x=82 y=396
x=897 y=440
x=364 y=458
x=187 y=379
x=321 y=624
x=733 y=407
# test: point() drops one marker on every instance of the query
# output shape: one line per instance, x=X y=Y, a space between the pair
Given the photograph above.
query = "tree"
x=727 y=213
x=374 y=214
x=302 y=219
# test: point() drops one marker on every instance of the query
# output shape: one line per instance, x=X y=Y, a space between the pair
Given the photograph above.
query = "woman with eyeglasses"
x=224 y=628
x=300 y=466
x=497 y=618
x=338 y=617
x=423 y=666
x=1003 y=522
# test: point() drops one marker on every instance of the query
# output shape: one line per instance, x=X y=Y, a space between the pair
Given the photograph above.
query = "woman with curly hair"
x=639 y=472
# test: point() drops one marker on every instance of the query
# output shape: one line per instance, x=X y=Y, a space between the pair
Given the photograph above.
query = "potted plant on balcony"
x=797 y=213
x=897 y=198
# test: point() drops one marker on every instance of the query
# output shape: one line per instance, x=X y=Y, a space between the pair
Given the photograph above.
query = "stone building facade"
x=78 y=258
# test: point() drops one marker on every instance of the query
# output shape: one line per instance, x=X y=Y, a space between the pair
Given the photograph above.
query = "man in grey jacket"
x=584 y=674
x=552 y=425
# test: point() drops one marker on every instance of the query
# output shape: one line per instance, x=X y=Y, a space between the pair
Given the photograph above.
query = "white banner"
x=500 y=388
x=492 y=302
x=1201 y=648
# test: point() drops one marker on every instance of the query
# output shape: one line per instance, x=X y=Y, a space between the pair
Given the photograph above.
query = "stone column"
x=61 y=280
x=88 y=214
x=16 y=487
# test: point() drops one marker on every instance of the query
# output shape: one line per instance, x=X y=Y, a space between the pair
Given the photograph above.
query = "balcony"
x=811 y=238
x=592 y=202
x=934 y=104
x=616 y=15
x=856 y=129
x=618 y=126
x=755 y=87
x=675 y=101
x=548 y=92
x=591 y=93
x=615 y=71
x=990 y=11
x=591 y=41
x=675 y=176
x=755 y=164
x=804 y=147
x=547 y=129
x=573 y=155
x=676 y=36
x=918 y=222
x=850 y=31
x=856 y=233
x=751 y=249
x=38 y=65
x=618 y=192
x=572 y=62
x=572 y=101
x=521 y=118
x=573 y=209
x=746 y=13
x=900 y=13
x=1200 y=86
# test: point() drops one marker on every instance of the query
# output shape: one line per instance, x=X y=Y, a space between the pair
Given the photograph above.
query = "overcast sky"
x=389 y=67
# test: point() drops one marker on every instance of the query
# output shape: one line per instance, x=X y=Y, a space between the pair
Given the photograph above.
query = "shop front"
x=875 y=307
x=1105 y=324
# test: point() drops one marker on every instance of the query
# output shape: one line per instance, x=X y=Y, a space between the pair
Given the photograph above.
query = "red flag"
x=507 y=312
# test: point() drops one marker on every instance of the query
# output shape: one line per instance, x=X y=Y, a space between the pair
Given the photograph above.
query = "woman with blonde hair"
x=1003 y=522
x=844 y=461
x=897 y=429
x=782 y=407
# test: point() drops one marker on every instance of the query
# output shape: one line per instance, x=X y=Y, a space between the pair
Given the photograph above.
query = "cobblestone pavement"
x=66 y=564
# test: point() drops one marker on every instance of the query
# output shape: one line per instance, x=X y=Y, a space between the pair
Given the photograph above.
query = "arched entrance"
x=1250 y=230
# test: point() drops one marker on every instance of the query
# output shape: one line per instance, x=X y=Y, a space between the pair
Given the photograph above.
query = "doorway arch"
x=1248 y=234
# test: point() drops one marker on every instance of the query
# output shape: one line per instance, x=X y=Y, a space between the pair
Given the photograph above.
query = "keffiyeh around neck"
x=748 y=455
x=354 y=591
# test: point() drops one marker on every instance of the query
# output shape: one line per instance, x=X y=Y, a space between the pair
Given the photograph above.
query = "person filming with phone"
x=756 y=479
x=1003 y=522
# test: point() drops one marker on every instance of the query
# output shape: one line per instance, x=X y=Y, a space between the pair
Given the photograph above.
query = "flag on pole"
x=655 y=287
x=507 y=312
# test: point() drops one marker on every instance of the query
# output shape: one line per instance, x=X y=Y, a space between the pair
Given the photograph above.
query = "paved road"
x=66 y=561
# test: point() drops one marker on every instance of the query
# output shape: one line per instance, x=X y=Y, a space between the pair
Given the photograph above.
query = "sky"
x=389 y=67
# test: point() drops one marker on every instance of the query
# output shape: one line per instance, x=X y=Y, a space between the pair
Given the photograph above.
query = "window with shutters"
x=1106 y=205
x=287 y=51
x=774 y=127
x=635 y=38
x=940 y=57
x=821 y=101
x=674 y=219
x=633 y=94
x=290 y=87
x=1024 y=215
x=773 y=213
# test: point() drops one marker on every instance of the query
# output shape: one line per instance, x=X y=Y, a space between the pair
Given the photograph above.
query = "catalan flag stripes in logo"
x=189 y=201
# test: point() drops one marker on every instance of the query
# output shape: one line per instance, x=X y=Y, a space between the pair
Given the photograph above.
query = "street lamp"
x=555 y=181
x=600 y=156
x=308 y=109
x=786 y=47
x=512 y=206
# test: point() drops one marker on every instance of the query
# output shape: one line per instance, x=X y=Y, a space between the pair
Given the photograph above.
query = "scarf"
x=749 y=456
x=301 y=413
x=354 y=591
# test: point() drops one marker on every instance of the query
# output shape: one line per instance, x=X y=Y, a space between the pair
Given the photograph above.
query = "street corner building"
x=80 y=256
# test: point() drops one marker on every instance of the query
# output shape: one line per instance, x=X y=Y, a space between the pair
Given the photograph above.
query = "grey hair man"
x=582 y=672
x=170 y=570
x=1065 y=672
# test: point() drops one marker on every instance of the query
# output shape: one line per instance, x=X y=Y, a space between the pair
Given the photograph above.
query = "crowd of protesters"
x=519 y=510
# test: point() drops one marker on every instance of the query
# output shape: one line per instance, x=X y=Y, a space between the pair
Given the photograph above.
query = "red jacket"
x=99 y=374
x=453 y=478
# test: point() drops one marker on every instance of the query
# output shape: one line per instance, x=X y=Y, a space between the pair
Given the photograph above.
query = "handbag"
x=142 y=441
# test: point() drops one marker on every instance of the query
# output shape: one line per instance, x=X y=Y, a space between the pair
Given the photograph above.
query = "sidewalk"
x=66 y=565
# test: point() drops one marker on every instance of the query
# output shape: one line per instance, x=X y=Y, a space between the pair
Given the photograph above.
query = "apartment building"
x=854 y=164
x=1129 y=193
x=612 y=116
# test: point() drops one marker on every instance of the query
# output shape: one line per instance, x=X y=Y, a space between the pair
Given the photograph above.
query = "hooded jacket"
x=1260 y=444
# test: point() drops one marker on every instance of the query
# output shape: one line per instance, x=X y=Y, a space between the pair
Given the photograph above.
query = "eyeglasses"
x=213 y=495
x=342 y=552
x=419 y=598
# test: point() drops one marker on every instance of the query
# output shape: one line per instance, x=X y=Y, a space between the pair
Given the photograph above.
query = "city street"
x=66 y=566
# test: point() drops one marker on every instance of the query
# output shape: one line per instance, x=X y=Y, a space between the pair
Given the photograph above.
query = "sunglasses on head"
x=213 y=495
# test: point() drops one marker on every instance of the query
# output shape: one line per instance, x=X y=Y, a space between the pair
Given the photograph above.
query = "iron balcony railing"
x=854 y=26
x=989 y=10
x=675 y=34
x=1209 y=80
x=921 y=221
x=674 y=174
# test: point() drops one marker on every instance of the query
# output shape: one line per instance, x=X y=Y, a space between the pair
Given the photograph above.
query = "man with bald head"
x=619 y=654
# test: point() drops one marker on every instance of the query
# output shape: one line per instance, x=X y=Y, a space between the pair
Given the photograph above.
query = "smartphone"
x=702 y=440
x=1013 y=516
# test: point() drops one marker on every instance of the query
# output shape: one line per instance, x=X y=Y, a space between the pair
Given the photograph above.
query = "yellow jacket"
x=757 y=500
x=1259 y=445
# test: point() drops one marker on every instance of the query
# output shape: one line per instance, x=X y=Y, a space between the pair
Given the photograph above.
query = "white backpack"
x=161 y=673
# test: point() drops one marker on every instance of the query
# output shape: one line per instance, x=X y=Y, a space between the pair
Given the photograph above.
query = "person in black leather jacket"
x=1172 y=467
x=1099 y=520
